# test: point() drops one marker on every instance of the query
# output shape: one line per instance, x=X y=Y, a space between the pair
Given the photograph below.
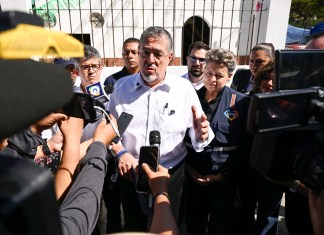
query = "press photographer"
x=289 y=124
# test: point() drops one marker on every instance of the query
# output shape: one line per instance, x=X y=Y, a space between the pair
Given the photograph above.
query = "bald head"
x=316 y=42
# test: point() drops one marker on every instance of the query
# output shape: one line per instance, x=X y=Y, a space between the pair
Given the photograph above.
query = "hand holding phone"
x=150 y=156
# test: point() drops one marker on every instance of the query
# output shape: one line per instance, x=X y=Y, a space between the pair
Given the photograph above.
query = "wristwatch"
x=46 y=149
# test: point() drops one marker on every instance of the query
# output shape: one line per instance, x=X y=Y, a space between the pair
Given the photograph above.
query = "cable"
x=107 y=116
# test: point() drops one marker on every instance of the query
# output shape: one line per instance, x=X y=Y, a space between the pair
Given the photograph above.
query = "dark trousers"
x=112 y=199
x=209 y=209
x=255 y=191
x=135 y=219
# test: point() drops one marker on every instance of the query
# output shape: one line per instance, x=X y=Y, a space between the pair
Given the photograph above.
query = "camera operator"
x=299 y=218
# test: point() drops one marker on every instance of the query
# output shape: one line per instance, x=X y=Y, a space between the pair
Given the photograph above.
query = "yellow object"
x=26 y=41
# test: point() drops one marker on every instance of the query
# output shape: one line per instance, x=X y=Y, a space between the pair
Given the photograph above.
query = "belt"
x=220 y=149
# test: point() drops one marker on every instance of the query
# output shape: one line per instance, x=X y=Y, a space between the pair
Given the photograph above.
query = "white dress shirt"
x=166 y=108
x=196 y=85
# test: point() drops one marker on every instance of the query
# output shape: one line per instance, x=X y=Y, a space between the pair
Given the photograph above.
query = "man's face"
x=196 y=62
x=154 y=58
x=130 y=55
x=72 y=71
x=90 y=71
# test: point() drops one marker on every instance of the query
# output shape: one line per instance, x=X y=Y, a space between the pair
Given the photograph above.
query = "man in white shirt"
x=196 y=63
x=158 y=101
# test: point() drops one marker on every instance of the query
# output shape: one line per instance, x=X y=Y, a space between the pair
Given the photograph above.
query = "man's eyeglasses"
x=194 y=59
x=88 y=66
x=158 y=56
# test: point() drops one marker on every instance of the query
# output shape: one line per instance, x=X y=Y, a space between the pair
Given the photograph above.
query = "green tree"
x=306 y=13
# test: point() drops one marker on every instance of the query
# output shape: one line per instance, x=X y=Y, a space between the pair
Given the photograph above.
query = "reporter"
x=81 y=191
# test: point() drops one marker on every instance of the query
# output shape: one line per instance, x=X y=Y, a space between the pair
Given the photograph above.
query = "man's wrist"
x=121 y=153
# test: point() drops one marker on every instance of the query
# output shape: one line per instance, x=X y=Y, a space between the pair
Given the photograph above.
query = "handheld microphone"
x=155 y=140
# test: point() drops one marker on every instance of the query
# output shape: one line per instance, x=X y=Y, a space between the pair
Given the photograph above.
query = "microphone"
x=155 y=138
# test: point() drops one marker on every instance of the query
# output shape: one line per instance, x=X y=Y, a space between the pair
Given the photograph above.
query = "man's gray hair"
x=157 y=32
x=222 y=56
x=89 y=53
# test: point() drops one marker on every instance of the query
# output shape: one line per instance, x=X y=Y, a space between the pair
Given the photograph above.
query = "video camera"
x=289 y=128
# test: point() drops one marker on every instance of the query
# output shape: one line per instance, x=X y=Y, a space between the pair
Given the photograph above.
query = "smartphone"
x=122 y=123
x=150 y=156
x=81 y=106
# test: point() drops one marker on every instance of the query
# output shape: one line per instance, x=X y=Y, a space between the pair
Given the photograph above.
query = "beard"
x=196 y=73
x=150 y=78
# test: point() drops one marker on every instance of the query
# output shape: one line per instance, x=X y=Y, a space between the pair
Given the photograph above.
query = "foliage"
x=306 y=13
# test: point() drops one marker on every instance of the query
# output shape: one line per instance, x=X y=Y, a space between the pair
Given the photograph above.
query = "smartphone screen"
x=81 y=106
x=150 y=156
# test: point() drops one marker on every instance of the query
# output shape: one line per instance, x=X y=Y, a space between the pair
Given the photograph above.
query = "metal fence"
x=105 y=24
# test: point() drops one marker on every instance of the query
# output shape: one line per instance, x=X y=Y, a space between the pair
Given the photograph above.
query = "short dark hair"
x=131 y=40
x=198 y=45
x=157 y=32
x=89 y=53
x=268 y=48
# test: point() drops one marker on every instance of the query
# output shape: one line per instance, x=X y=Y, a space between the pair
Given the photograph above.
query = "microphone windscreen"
x=109 y=89
x=29 y=91
x=155 y=137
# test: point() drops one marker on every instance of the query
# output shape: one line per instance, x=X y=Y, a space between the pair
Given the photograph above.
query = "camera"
x=289 y=129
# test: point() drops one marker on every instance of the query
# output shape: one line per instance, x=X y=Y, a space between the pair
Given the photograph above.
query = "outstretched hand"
x=201 y=125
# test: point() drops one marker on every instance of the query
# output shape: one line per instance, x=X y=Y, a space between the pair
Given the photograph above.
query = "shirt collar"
x=139 y=82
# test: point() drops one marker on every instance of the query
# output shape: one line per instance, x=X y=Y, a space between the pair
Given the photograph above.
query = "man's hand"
x=200 y=125
x=159 y=180
x=47 y=122
x=127 y=165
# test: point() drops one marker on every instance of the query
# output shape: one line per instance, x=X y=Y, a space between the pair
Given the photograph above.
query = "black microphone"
x=155 y=138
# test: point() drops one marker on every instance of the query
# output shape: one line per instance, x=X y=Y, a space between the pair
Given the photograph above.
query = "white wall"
x=14 y=5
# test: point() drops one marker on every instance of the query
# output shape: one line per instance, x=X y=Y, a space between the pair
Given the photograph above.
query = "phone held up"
x=81 y=106
x=150 y=156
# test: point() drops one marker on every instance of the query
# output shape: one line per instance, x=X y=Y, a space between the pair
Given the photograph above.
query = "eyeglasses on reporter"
x=195 y=59
x=95 y=67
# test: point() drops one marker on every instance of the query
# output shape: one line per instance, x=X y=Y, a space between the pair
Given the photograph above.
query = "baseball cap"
x=65 y=62
x=317 y=29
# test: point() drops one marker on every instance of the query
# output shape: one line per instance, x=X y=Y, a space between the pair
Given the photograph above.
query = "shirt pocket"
x=226 y=133
x=172 y=120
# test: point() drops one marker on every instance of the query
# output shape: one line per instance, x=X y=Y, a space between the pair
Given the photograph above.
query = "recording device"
x=298 y=69
x=82 y=106
x=98 y=92
x=122 y=123
x=151 y=156
x=289 y=125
